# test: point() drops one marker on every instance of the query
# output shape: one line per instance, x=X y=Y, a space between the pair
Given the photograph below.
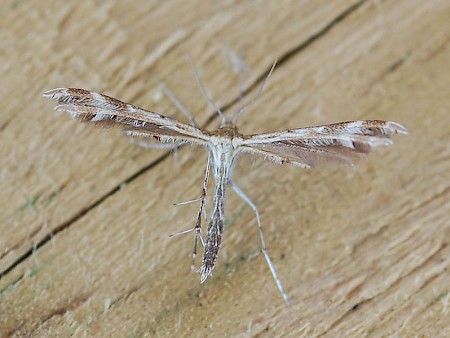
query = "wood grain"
x=85 y=217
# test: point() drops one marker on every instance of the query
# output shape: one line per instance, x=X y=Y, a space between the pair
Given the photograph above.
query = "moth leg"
x=246 y=199
x=209 y=98
x=177 y=103
x=198 y=224
x=154 y=145
x=172 y=146
x=188 y=202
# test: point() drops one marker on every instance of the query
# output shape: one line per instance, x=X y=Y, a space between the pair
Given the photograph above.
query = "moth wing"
x=106 y=111
x=344 y=142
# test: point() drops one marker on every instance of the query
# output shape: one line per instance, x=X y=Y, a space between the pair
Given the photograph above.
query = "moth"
x=343 y=142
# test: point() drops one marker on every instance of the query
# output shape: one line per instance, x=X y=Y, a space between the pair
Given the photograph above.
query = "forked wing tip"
x=54 y=93
x=397 y=128
x=205 y=272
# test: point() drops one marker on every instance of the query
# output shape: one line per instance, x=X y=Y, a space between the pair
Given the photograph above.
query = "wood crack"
x=60 y=311
x=357 y=306
x=79 y=215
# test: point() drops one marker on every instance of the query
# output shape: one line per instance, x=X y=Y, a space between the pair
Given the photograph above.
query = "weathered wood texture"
x=85 y=215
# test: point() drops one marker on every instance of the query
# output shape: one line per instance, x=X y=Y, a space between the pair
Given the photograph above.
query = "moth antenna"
x=202 y=89
x=258 y=94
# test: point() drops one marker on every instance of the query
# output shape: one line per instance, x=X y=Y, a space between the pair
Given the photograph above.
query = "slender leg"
x=188 y=202
x=202 y=89
x=242 y=195
x=154 y=145
x=177 y=103
x=198 y=224
x=172 y=147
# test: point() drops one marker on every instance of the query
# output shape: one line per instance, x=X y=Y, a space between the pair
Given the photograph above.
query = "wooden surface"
x=85 y=216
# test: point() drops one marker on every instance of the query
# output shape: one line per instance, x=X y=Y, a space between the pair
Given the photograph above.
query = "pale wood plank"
x=361 y=251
